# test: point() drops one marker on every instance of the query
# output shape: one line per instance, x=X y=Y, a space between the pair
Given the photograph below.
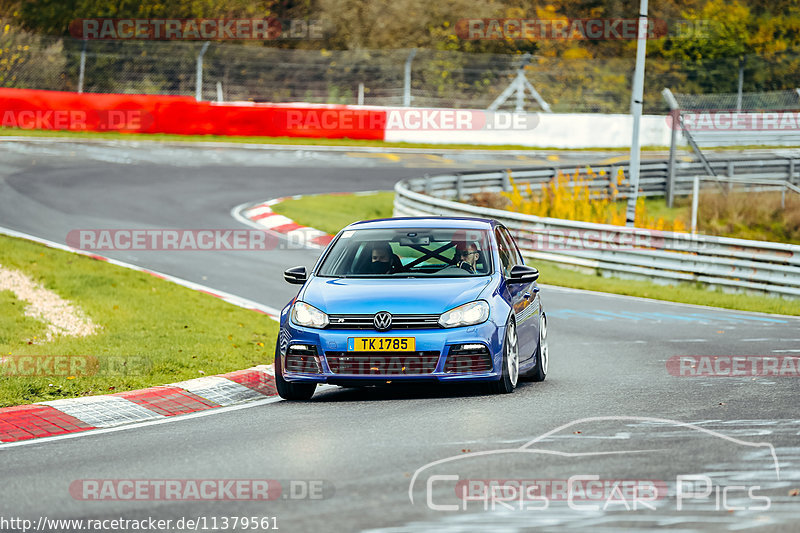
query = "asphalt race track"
x=353 y=459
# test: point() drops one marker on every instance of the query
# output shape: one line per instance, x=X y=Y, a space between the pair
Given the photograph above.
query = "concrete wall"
x=554 y=130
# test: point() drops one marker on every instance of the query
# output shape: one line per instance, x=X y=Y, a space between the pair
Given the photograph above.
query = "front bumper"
x=330 y=344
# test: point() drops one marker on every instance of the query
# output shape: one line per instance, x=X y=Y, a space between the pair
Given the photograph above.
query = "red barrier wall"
x=136 y=113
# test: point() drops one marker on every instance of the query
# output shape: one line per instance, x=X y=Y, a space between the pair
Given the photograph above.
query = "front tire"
x=288 y=390
x=510 y=374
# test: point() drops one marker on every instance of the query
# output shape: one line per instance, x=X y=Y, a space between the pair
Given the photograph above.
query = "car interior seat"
x=397 y=264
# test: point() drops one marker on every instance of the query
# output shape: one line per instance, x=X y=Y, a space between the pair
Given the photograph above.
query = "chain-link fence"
x=372 y=77
x=761 y=101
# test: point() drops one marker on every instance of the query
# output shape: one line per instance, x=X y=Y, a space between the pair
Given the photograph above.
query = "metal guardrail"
x=667 y=257
x=654 y=178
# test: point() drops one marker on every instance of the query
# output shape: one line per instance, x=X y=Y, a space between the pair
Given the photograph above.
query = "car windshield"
x=409 y=252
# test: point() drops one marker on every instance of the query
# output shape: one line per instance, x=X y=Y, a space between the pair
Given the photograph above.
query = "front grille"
x=383 y=363
x=469 y=360
x=303 y=358
x=398 y=322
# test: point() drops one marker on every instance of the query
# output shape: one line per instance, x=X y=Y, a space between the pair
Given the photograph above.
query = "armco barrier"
x=653 y=176
x=733 y=264
x=136 y=113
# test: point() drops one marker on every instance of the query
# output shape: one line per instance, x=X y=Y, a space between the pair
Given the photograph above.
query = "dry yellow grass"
x=751 y=215
x=570 y=197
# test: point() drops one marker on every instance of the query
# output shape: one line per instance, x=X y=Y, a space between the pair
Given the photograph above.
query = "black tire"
x=508 y=381
x=539 y=371
x=291 y=391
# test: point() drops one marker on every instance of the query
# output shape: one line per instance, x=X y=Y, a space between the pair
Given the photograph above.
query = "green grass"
x=288 y=141
x=332 y=212
x=554 y=274
x=308 y=141
x=153 y=332
x=657 y=208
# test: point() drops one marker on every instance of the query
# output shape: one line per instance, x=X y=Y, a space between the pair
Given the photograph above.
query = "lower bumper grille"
x=387 y=363
x=303 y=359
x=468 y=359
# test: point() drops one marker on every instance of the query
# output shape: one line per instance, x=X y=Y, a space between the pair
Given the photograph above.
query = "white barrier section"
x=727 y=128
x=556 y=130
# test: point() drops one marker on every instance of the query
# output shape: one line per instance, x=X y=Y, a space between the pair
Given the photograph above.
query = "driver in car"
x=381 y=258
x=467 y=256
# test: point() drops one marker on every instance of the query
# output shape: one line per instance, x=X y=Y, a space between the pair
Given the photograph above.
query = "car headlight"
x=308 y=315
x=465 y=315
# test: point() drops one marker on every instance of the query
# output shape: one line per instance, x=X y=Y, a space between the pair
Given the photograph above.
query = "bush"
x=575 y=197
x=748 y=215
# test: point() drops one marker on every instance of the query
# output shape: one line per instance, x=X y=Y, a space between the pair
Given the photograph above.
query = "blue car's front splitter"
x=350 y=379
x=438 y=341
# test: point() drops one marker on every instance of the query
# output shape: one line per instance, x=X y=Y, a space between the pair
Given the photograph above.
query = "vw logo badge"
x=382 y=321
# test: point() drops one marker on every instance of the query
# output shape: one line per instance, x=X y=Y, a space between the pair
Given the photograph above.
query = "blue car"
x=413 y=300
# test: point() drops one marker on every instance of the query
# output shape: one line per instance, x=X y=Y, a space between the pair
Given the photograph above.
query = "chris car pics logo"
x=678 y=488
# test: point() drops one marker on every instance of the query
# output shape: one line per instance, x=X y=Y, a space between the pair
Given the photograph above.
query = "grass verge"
x=689 y=293
x=657 y=208
x=288 y=141
x=153 y=332
x=332 y=212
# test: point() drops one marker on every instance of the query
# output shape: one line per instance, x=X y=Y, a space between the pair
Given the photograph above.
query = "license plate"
x=381 y=344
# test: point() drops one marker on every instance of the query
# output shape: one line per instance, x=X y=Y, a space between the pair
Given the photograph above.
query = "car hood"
x=397 y=296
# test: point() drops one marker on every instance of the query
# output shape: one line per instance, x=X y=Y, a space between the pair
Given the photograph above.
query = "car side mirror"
x=523 y=274
x=295 y=275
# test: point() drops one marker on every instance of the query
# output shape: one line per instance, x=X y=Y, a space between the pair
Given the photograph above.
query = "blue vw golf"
x=413 y=299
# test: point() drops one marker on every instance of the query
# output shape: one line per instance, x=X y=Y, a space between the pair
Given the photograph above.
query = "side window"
x=503 y=251
x=516 y=257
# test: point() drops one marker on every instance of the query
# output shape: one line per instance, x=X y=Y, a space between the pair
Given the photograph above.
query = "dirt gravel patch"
x=61 y=317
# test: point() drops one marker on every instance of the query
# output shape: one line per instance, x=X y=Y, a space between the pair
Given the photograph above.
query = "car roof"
x=425 y=222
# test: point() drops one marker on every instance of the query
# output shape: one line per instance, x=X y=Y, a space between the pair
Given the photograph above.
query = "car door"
x=524 y=296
